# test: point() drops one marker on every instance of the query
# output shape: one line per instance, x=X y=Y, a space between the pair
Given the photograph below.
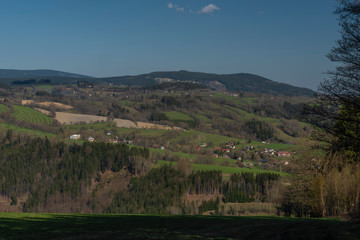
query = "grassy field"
x=4 y=127
x=30 y=115
x=276 y=146
x=177 y=116
x=45 y=87
x=223 y=169
x=80 y=226
x=233 y=99
x=3 y=108
x=203 y=118
x=198 y=137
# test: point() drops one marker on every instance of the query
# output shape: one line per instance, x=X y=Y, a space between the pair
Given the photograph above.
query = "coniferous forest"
x=42 y=169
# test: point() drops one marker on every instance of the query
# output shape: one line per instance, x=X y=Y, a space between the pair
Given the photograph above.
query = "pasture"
x=223 y=169
x=4 y=127
x=45 y=87
x=177 y=116
x=3 y=108
x=104 y=226
x=30 y=115
x=194 y=136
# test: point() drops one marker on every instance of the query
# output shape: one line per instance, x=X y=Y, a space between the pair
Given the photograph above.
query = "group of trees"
x=163 y=190
x=331 y=186
x=40 y=167
x=337 y=110
x=45 y=170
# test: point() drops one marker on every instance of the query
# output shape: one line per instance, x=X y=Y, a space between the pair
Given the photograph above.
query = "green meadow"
x=177 y=116
x=45 y=87
x=3 y=108
x=223 y=169
x=4 y=127
x=30 y=115
x=85 y=226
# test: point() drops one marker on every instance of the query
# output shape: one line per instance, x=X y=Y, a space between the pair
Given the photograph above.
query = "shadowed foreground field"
x=78 y=226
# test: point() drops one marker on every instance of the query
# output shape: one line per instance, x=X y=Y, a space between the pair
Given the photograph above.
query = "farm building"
x=203 y=145
x=284 y=154
x=75 y=137
x=91 y=139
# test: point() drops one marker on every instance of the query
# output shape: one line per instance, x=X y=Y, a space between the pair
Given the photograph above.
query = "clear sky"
x=283 y=40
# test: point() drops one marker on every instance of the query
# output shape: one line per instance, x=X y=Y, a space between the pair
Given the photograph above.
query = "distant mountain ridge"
x=245 y=82
x=21 y=74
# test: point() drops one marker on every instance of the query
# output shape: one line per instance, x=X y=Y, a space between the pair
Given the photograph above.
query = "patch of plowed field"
x=47 y=104
x=56 y=104
x=71 y=118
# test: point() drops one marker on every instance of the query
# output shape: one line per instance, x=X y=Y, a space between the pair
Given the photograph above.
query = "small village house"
x=284 y=154
x=75 y=137
x=91 y=139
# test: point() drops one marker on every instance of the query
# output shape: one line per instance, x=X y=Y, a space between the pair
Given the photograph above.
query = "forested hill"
x=244 y=82
x=225 y=82
x=21 y=74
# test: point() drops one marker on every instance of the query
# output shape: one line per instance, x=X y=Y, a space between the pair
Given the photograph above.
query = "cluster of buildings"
x=114 y=140
x=78 y=137
x=229 y=147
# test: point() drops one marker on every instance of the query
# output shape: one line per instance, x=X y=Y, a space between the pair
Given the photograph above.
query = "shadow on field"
x=76 y=226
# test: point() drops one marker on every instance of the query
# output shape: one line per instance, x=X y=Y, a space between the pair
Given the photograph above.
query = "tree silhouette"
x=337 y=110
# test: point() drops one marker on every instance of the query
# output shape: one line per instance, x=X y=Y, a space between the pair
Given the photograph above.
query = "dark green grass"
x=30 y=115
x=224 y=169
x=4 y=127
x=3 y=108
x=45 y=87
x=177 y=116
x=78 y=226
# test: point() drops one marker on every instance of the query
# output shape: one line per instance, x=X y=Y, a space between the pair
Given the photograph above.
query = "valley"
x=238 y=135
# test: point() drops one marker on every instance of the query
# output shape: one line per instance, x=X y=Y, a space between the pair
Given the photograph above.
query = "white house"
x=91 y=139
x=284 y=154
x=75 y=137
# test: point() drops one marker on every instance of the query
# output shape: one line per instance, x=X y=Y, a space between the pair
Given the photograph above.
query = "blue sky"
x=283 y=40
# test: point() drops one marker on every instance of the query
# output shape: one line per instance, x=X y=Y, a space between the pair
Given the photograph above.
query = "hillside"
x=245 y=82
x=230 y=137
x=20 y=74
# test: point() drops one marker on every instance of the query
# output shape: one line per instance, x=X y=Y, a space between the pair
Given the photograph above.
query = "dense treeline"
x=44 y=170
x=163 y=191
x=262 y=130
x=210 y=205
x=205 y=182
x=41 y=167
x=154 y=193
x=31 y=81
x=247 y=187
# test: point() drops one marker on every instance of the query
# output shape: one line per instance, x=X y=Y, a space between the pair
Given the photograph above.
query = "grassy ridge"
x=81 y=226
x=30 y=115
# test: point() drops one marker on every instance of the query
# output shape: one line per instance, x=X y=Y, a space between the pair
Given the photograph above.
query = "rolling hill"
x=21 y=74
x=245 y=82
